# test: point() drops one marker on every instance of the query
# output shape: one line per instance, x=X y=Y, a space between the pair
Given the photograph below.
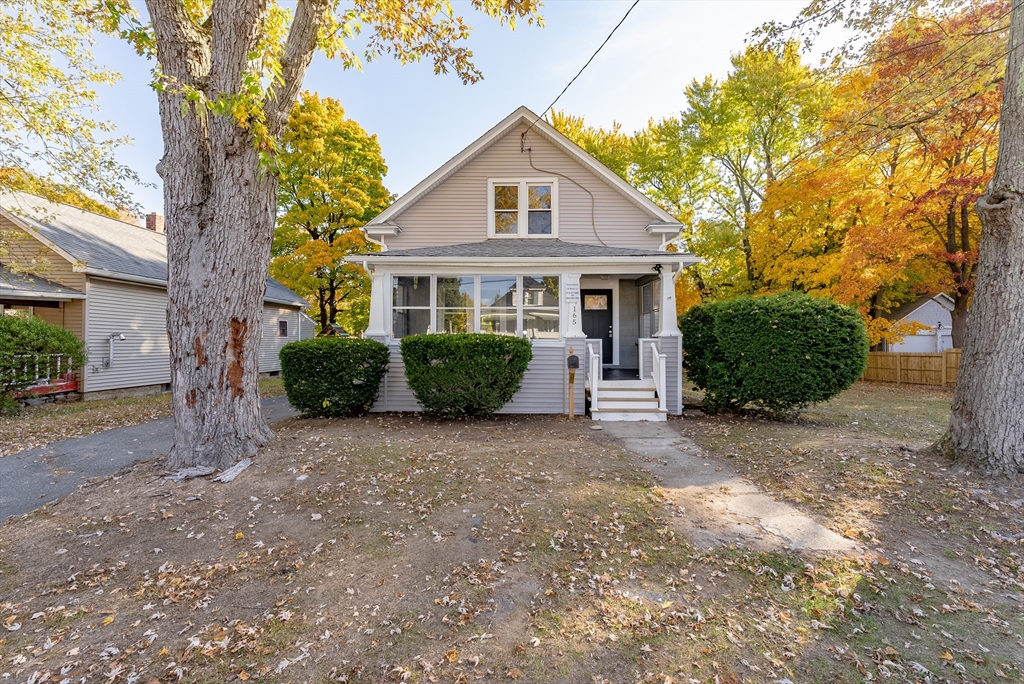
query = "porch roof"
x=26 y=286
x=515 y=249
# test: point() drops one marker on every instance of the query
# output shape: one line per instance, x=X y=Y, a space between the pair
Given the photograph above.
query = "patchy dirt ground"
x=36 y=426
x=395 y=548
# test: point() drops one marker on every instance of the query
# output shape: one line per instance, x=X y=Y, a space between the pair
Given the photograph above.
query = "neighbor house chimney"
x=155 y=222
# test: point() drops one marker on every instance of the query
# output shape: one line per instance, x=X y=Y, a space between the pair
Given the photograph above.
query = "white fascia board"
x=121 y=277
x=49 y=296
x=382 y=229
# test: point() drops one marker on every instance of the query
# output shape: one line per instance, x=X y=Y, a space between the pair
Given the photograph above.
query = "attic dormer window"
x=523 y=208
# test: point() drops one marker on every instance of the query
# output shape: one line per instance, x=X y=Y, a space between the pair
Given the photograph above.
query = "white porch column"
x=571 y=305
x=378 y=329
x=668 y=323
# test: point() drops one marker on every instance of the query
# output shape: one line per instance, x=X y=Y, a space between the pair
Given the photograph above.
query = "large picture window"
x=540 y=307
x=523 y=208
x=455 y=309
x=498 y=304
x=410 y=313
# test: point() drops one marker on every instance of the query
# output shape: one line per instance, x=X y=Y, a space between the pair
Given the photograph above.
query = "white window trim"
x=523 y=206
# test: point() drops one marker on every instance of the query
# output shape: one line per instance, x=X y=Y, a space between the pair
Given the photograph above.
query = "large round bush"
x=469 y=374
x=29 y=344
x=333 y=376
x=781 y=352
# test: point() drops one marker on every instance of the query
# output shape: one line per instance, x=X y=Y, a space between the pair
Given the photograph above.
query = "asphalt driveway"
x=32 y=478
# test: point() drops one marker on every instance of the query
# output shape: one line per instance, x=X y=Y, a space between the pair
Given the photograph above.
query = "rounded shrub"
x=781 y=352
x=470 y=374
x=333 y=376
x=27 y=345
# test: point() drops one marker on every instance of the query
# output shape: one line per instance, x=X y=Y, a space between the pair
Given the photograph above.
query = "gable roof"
x=901 y=312
x=546 y=131
x=102 y=246
x=28 y=286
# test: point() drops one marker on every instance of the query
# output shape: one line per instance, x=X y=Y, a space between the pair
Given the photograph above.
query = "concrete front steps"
x=627 y=400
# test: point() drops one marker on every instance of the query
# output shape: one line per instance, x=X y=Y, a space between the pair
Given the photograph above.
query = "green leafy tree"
x=48 y=81
x=228 y=74
x=331 y=184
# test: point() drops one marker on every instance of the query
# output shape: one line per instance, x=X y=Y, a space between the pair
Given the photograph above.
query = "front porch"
x=601 y=304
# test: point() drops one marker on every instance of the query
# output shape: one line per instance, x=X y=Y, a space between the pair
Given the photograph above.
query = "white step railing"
x=594 y=356
x=659 y=361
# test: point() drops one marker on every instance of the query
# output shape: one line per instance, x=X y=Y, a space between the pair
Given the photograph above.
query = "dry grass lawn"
x=397 y=548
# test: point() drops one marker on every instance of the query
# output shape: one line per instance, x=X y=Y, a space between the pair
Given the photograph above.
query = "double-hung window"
x=523 y=208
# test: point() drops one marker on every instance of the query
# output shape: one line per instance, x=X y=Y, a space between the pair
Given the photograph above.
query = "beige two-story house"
x=524 y=233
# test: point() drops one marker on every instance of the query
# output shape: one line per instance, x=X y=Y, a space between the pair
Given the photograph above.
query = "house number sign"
x=571 y=295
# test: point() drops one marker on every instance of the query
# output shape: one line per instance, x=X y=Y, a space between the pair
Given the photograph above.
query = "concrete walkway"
x=32 y=478
x=716 y=506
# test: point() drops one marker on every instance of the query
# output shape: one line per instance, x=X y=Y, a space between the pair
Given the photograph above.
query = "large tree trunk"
x=220 y=207
x=988 y=407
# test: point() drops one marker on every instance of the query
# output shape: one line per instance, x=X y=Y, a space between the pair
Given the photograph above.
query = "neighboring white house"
x=106 y=281
x=935 y=312
x=524 y=233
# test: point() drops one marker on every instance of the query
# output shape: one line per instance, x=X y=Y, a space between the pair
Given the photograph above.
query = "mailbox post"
x=572 y=363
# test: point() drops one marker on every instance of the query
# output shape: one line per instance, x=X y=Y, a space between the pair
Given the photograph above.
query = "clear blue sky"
x=422 y=120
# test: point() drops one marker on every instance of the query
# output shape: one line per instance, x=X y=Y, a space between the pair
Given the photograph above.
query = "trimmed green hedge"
x=781 y=352
x=470 y=374
x=25 y=334
x=333 y=376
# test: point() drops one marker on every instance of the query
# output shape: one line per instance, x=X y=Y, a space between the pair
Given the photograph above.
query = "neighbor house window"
x=410 y=305
x=499 y=305
x=523 y=208
x=282 y=328
x=455 y=304
x=540 y=307
x=650 y=306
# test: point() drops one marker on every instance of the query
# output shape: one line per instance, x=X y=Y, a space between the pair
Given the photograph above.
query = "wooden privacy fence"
x=938 y=369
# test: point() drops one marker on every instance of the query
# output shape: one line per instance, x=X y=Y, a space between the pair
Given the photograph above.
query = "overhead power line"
x=599 y=47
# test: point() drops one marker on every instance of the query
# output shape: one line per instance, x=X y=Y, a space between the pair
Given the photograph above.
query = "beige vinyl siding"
x=672 y=348
x=395 y=394
x=456 y=210
x=140 y=314
x=543 y=389
x=272 y=341
x=545 y=383
x=21 y=248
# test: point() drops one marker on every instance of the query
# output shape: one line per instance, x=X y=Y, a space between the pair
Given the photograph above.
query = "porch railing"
x=41 y=369
x=659 y=363
x=594 y=357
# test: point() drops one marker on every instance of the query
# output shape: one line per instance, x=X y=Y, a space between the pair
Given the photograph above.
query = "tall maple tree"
x=228 y=74
x=331 y=183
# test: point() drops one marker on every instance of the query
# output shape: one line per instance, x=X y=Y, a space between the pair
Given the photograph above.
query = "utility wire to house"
x=583 y=68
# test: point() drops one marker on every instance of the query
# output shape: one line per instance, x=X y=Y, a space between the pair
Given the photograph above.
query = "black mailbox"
x=572 y=362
